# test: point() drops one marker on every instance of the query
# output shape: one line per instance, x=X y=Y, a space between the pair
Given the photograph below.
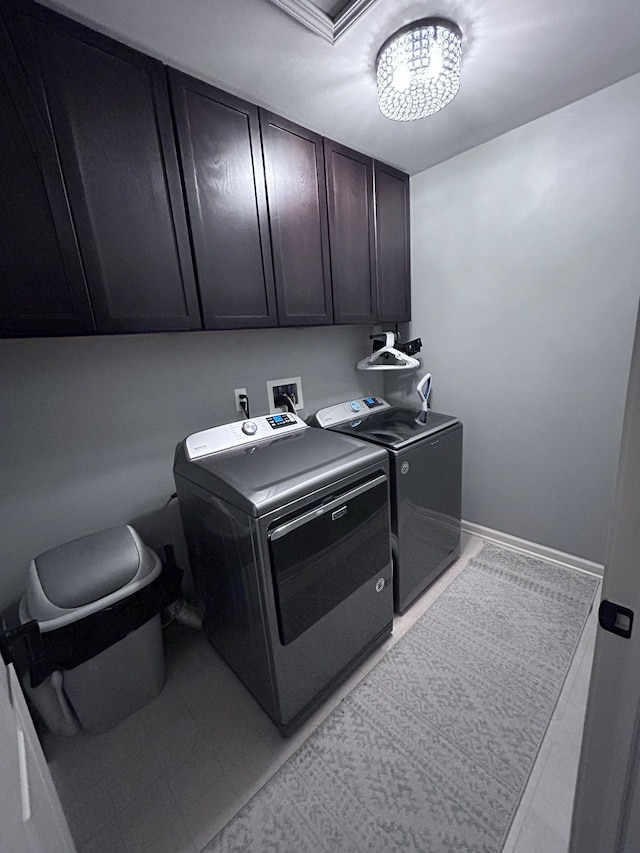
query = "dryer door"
x=323 y=555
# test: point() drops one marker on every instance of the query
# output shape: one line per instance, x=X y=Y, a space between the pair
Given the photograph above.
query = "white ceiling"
x=522 y=59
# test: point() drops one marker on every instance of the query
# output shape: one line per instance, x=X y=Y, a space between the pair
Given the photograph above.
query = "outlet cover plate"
x=236 y=393
x=274 y=383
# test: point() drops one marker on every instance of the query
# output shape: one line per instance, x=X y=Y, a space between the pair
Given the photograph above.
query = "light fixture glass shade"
x=418 y=69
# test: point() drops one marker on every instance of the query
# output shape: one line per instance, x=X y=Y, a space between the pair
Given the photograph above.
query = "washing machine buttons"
x=249 y=427
x=354 y=406
x=277 y=421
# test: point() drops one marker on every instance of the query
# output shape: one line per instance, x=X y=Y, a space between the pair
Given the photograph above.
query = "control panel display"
x=277 y=421
x=341 y=413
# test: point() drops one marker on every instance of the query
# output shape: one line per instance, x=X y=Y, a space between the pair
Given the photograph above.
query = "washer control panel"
x=240 y=433
x=343 y=412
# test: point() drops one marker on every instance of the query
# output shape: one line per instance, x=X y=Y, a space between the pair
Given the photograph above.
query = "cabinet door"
x=42 y=286
x=392 y=244
x=110 y=117
x=351 y=233
x=222 y=166
x=296 y=191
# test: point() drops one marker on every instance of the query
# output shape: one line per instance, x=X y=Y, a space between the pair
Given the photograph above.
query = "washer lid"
x=395 y=428
x=270 y=474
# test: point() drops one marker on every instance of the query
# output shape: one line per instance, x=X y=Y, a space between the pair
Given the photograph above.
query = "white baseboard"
x=533 y=548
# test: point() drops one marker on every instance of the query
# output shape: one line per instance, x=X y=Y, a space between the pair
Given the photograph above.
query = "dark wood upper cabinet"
x=296 y=192
x=223 y=172
x=117 y=174
x=351 y=233
x=392 y=244
x=111 y=122
x=42 y=286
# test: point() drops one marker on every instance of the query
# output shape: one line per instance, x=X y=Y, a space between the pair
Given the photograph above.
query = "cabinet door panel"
x=351 y=233
x=42 y=287
x=296 y=192
x=223 y=170
x=392 y=244
x=111 y=121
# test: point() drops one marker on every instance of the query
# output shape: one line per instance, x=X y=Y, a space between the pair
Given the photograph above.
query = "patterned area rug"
x=432 y=750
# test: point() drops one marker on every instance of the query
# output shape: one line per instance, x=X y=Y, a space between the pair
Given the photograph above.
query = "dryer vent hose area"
x=183 y=613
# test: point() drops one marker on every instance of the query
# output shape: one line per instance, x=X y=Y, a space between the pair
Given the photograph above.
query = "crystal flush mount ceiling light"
x=418 y=69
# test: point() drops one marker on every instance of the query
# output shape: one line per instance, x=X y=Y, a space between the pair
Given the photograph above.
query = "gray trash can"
x=71 y=582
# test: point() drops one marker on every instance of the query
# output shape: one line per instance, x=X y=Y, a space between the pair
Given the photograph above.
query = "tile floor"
x=170 y=776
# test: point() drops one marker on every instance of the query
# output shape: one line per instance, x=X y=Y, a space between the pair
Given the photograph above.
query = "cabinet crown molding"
x=315 y=19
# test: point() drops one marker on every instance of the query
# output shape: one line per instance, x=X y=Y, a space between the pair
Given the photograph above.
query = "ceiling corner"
x=319 y=22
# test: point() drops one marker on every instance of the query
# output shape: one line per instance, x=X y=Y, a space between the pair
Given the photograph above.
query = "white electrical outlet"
x=237 y=392
x=277 y=387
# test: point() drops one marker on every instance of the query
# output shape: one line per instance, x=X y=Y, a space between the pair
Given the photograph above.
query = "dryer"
x=425 y=456
x=288 y=531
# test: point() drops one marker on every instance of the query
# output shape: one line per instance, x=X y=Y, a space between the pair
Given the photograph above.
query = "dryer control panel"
x=240 y=433
x=343 y=412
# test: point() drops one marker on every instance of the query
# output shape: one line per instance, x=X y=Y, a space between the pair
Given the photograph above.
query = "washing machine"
x=288 y=534
x=425 y=456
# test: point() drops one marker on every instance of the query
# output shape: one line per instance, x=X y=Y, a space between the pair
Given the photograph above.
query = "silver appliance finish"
x=288 y=542
x=425 y=479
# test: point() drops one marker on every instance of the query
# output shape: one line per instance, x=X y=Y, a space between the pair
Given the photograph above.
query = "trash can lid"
x=86 y=570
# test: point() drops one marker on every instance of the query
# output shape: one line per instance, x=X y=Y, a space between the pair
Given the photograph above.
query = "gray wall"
x=89 y=425
x=526 y=272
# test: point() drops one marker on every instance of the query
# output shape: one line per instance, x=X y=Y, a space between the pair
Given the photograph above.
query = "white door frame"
x=31 y=818
x=606 y=816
